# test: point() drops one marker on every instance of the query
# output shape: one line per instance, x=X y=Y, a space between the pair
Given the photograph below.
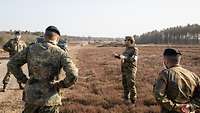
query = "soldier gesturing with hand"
x=129 y=68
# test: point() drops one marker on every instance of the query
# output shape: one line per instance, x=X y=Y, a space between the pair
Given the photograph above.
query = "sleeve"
x=71 y=71
x=15 y=64
x=24 y=45
x=159 y=90
x=7 y=46
x=195 y=101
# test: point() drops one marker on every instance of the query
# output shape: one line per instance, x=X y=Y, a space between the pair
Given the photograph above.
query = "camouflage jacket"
x=13 y=46
x=44 y=61
x=175 y=86
x=129 y=58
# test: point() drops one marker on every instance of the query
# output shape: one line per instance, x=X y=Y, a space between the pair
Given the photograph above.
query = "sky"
x=110 y=18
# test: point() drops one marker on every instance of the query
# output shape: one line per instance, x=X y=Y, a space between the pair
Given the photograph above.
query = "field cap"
x=171 y=52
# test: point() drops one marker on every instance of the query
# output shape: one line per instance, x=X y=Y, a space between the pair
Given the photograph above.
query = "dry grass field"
x=99 y=88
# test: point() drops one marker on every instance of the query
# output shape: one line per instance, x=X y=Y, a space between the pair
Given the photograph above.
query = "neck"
x=172 y=65
x=51 y=41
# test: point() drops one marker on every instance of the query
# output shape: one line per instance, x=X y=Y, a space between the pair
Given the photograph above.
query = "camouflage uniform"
x=175 y=86
x=13 y=46
x=129 y=68
x=45 y=61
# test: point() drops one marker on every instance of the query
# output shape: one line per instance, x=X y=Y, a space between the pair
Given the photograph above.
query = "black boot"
x=4 y=87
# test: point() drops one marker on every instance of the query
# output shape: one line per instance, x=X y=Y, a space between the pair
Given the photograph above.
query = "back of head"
x=50 y=30
x=172 y=55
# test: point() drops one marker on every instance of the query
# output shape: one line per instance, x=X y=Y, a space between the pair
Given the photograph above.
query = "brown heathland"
x=99 y=88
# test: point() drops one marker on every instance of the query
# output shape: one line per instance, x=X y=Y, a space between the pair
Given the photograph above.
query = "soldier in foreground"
x=176 y=89
x=13 y=46
x=129 y=68
x=44 y=60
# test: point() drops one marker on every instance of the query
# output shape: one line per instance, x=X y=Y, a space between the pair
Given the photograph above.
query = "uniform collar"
x=176 y=65
x=52 y=42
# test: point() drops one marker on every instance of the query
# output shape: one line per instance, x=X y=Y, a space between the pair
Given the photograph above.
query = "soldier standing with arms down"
x=176 y=89
x=129 y=69
x=13 y=46
x=44 y=60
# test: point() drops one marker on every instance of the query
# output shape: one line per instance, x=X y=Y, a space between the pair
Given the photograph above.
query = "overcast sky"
x=98 y=17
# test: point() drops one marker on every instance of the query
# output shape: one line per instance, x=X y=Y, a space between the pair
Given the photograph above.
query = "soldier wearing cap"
x=129 y=68
x=175 y=86
x=44 y=60
x=13 y=46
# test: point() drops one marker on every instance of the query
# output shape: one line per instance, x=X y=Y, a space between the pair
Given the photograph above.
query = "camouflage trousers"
x=6 y=79
x=128 y=82
x=29 y=108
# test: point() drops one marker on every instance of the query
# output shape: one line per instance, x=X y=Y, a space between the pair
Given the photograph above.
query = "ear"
x=58 y=38
x=131 y=41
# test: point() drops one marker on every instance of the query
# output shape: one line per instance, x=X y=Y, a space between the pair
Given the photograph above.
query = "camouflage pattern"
x=129 y=68
x=44 y=61
x=29 y=108
x=175 y=86
x=13 y=46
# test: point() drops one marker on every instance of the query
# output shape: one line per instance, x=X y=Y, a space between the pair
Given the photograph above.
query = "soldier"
x=129 y=68
x=13 y=46
x=44 y=60
x=175 y=87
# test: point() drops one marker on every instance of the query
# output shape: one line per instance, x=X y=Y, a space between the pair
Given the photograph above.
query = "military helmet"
x=130 y=38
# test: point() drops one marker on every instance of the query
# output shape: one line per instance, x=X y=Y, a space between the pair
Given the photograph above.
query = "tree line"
x=189 y=34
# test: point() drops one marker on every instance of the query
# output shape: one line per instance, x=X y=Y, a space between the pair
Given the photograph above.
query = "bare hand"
x=116 y=55
x=185 y=108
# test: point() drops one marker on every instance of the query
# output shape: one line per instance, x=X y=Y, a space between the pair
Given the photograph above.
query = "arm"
x=71 y=72
x=195 y=100
x=14 y=65
x=7 y=46
x=24 y=45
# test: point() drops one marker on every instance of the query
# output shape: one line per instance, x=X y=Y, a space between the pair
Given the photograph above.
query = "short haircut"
x=48 y=34
x=174 y=59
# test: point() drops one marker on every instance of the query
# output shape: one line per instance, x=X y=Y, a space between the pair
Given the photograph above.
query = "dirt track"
x=10 y=101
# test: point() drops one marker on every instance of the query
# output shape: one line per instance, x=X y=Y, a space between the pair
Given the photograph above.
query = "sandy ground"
x=10 y=101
